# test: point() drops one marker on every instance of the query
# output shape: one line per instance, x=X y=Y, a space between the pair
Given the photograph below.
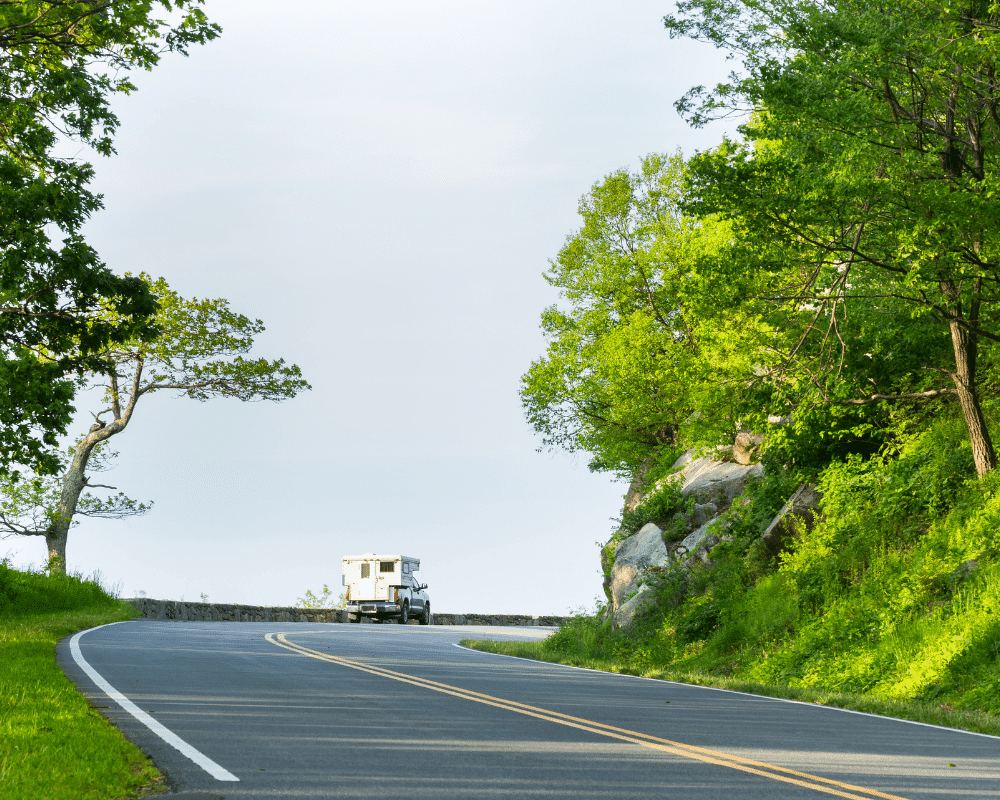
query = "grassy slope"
x=930 y=713
x=891 y=604
x=52 y=743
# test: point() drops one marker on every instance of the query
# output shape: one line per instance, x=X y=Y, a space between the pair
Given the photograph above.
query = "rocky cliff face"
x=713 y=482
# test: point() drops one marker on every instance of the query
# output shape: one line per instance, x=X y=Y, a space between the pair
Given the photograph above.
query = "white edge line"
x=167 y=735
x=735 y=691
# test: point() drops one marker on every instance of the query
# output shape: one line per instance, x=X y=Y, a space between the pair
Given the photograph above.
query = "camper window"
x=387 y=566
x=406 y=567
x=365 y=570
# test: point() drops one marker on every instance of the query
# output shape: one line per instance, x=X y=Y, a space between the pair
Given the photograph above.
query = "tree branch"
x=876 y=397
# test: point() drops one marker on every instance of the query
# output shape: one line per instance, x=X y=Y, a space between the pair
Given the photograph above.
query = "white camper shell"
x=385 y=587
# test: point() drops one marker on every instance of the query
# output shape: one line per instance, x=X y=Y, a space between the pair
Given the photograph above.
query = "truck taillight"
x=395 y=595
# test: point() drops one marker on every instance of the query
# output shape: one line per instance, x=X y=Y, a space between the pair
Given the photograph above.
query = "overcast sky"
x=382 y=184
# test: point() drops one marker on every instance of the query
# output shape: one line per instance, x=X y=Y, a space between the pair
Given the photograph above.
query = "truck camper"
x=385 y=587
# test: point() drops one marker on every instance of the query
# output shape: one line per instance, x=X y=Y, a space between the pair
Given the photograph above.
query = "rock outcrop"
x=637 y=488
x=633 y=557
x=714 y=482
x=746 y=448
x=635 y=605
x=797 y=515
x=710 y=480
x=698 y=542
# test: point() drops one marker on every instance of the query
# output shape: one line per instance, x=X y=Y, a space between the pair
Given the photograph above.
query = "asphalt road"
x=364 y=711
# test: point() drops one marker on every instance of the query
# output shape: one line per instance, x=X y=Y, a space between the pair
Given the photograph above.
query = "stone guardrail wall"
x=497 y=619
x=232 y=612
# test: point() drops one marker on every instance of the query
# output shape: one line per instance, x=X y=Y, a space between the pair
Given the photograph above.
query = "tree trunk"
x=965 y=345
x=55 y=541
x=74 y=482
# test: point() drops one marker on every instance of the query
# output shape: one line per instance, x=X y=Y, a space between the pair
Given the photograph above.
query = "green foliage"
x=324 y=599
x=60 y=65
x=699 y=618
x=36 y=404
x=894 y=593
x=819 y=434
x=30 y=505
x=878 y=222
x=836 y=267
x=199 y=352
x=638 y=344
x=660 y=507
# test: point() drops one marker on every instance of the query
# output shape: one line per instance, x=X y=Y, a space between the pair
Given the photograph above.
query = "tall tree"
x=61 y=63
x=199 y=353
x=868 y=175
x=637 y=344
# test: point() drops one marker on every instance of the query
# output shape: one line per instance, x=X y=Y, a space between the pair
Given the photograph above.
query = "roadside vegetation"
x=53 y=744
x=928 y=713
x=890 y=604
x=826 y=284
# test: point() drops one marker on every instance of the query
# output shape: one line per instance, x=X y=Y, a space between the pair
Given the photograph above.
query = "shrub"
x=659 y=508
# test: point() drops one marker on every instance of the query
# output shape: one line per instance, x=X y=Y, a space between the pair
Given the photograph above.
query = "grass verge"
x=917 y=711
x=52 y=743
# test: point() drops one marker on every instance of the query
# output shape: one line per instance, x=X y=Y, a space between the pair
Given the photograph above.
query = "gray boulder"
x=638 y=552
x=712 y=481
x=746 y=448
x=714 y=484
x=699 y=543
x=693 y=540
x=638 y=486
x=702 y=513
x=634 y=606
x=796 y=514
x=685 y=458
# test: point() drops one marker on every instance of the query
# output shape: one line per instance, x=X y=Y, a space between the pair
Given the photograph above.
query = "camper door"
x=366 y=584
x=388 y=577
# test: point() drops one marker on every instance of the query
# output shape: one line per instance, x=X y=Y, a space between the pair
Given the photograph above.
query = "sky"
x=382 y=184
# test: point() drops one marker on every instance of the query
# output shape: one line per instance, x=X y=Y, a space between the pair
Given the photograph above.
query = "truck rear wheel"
x=426 y=618
x=404 y=615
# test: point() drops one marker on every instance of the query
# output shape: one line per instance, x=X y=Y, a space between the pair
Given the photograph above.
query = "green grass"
x=889 y=603
x=930 y=713
x=53 y=745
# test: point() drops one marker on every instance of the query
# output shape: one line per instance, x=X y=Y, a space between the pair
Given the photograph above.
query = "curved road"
x=373 y=711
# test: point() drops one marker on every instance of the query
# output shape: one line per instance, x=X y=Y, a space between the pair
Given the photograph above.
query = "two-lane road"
x=358 y=711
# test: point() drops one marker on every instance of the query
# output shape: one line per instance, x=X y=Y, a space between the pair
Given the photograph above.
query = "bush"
x=659 y=508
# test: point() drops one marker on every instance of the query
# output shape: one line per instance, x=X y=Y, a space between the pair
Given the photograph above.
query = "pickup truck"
x=385 y=587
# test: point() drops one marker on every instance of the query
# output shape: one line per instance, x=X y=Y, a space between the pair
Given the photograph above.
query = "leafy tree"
x=868 y=178
x=640 y=342
x=199 y=353
x=61 y=61
x=30 y=507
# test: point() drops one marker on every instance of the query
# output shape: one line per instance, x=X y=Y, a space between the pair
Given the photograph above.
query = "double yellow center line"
x=716 y=757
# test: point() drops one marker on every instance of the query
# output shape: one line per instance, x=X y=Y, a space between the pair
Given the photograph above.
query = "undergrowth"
x=52 y=743
x=892 y=598
x=661 y=507
x=916 y=710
